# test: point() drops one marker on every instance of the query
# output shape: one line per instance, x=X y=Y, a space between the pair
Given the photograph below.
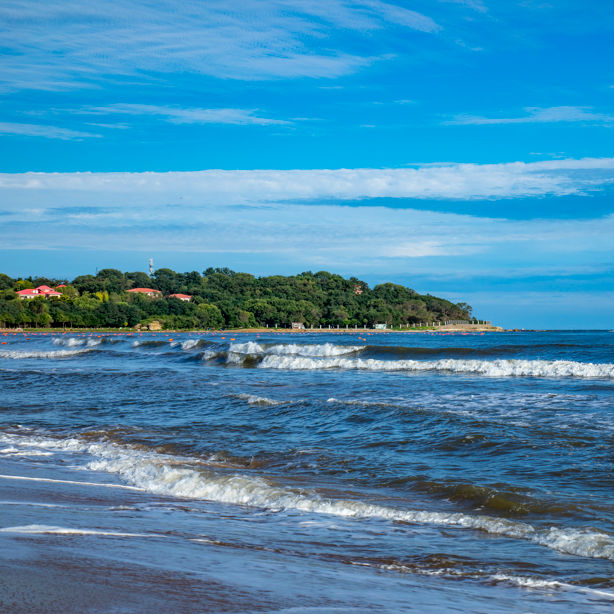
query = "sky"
x=463 y=148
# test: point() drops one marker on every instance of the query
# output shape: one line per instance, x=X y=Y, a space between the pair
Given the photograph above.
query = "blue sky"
x=460 y=147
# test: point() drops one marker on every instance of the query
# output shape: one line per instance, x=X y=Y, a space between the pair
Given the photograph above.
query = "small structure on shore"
x=380 y=326
x=183 y=297
x=147 y=291
x=298 y=325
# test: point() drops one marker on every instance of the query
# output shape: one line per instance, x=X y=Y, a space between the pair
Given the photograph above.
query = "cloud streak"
x=449 y=181
x=47 y=132
x=62 y=45
x=179 y=115
x=368 y=238
x=537 y=115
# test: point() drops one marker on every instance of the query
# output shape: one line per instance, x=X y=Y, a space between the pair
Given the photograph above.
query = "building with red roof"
x=45 y=291
x=147 y=291
x=183 y=297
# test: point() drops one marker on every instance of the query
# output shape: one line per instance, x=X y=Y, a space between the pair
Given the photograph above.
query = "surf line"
x=19 y=477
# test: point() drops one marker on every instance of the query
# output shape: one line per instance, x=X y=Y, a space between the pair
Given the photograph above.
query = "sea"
x=306 y=472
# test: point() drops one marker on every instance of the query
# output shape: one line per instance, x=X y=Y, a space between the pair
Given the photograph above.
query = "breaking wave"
x=149 y=471
x=189 y=344
x=149 y=343
x=327 y=349
x=74 y=342
x=493 y=368
x=34 y=354
x=252 y=399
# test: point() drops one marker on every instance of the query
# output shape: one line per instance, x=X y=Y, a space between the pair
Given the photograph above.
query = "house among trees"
x=147 y=291
x=219 y=298
x=45 y=291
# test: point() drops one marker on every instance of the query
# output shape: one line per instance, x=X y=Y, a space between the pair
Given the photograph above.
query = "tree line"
x=220 y=298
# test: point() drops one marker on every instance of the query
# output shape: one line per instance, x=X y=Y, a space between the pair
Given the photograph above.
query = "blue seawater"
x=323 y=472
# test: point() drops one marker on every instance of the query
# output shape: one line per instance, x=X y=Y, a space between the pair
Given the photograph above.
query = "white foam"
x=493 y=368
x=34 y=354
x=186 y=345
x=16 y=452
x=20 y=477
x=257 y=492
x=324 y=350
x=149 y=471
x=522 y=581
x=37 y=529
x=235 y=358
x=251 y=347
x=327 y=349
x=255 y=400
x=75 y=341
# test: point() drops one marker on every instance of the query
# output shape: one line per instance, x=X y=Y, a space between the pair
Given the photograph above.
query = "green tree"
x=44 y=319
x=138 y=279
x=22 y=284
x=209 y=316
x=6 y=282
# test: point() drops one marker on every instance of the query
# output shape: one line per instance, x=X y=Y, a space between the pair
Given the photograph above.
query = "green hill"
x=221 y=297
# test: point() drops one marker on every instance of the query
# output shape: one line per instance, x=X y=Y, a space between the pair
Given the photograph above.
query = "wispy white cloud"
x=179 y=115
x=371 y=238
x=66 y=44
x=112 y=126
x=539 y=115
x=452 y=181
x=476 y=5
x=48 y=132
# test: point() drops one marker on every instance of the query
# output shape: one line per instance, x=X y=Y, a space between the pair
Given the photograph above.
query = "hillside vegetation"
x=221 y=297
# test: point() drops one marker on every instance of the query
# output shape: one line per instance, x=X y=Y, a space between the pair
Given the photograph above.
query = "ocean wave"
x=12 y=451
x=534 y=582
x=150 y=472
x=493 y=368
x=149 y=343
x=189 y=344
x=75 y=342
x=35 y=354
x=255 y=400
x=162 y=479
x=324 y=350
x=38 y=529
x=210 y=354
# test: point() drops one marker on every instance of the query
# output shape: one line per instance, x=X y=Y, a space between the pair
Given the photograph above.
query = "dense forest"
x=220 y=298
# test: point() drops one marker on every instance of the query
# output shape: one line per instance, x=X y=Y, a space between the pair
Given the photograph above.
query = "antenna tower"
x=151 y=267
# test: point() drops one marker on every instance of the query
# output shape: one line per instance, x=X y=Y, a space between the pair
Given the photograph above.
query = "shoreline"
x=119 y=331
